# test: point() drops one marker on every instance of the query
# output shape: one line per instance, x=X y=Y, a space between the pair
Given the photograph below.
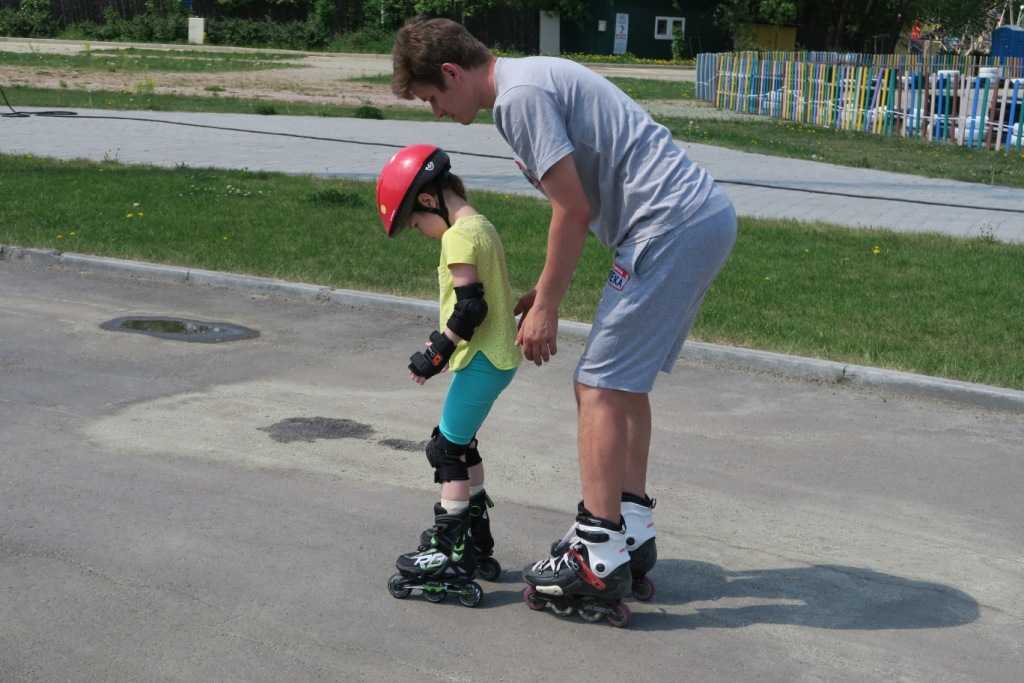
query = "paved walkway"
x=170 y=145
x=159 y=523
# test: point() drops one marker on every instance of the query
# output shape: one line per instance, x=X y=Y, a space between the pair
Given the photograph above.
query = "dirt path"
x=324 y=78
x=321 y=79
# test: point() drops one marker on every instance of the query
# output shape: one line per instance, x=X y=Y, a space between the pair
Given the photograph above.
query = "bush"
x=367 y=40
x=32 y=19
x=291 y=35
x=161 y=23
x=10 y=23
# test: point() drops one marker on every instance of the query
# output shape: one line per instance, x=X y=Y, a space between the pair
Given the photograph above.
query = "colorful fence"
x=973 y=102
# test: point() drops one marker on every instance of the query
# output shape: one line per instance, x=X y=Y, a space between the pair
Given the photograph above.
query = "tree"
x=860 y=24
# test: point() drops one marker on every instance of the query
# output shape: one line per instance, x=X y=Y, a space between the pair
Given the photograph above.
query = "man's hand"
x=524 y=305
x=538 y=333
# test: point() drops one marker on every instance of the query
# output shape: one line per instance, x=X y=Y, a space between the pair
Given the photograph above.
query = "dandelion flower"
x=60 y=237
x=129 y=215
x=876 y=250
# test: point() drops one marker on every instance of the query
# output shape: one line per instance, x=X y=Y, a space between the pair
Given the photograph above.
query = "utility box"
x=196 y=31
x=1008 y=41
x=550 y=34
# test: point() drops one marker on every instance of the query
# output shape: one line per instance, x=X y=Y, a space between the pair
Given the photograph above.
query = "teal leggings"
x=471 y=394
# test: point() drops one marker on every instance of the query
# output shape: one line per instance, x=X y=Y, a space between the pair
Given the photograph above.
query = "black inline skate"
x=487 y=568
x=445 y=564
x=590 y=577
x=640 y=541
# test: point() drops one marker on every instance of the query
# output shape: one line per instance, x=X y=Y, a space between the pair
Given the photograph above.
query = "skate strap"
x=585 y=572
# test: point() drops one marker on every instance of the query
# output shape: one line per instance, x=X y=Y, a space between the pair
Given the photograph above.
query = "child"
x=476 y=341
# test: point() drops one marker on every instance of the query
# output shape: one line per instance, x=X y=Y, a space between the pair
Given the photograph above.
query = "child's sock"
x=454 y=507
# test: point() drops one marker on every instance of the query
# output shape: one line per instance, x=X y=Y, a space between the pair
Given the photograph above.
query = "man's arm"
x=570 y=218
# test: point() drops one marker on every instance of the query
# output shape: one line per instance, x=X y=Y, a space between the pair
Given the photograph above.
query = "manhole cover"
x=179 y=329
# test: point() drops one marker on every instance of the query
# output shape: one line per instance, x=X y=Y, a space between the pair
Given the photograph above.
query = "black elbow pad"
x=470 y=310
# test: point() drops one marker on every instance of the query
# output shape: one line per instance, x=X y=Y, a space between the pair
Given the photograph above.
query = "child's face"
x=429 y=224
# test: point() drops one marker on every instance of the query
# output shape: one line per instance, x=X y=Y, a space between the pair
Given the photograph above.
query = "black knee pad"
x=446 y=458
x=472 y=454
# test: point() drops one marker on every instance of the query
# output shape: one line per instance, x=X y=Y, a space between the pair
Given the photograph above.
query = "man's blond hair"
x=423 y=45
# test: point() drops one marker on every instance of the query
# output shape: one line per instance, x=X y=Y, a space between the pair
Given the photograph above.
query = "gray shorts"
x=652 y=296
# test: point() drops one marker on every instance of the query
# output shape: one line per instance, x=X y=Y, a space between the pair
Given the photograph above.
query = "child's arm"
x=470 y=311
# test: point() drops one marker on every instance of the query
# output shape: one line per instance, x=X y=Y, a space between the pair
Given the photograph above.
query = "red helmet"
x=410 y=170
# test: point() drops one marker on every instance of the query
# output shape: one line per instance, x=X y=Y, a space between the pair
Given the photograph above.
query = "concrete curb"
x=796 y=367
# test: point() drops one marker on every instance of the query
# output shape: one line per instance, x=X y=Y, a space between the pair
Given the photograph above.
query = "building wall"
x=771 y=37
x=701 y=33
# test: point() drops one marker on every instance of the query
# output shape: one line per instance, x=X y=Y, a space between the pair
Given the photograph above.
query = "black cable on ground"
x=743 y=183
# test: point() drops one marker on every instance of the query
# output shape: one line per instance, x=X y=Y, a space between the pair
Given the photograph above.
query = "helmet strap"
x=441 y=209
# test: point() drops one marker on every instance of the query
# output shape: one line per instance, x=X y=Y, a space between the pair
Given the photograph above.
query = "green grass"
x=375 y=79
x=921 y=303
x=586 y=58
x=637 y=88
x=133 y=59
x=650 y=89
x=101 y=99
x=860 y=150
x=769 y=137
x=218 y=55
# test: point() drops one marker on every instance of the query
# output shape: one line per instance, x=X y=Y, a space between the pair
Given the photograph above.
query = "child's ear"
x=427 y=199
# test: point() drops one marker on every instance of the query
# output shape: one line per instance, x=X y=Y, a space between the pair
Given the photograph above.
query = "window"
x=664 y=27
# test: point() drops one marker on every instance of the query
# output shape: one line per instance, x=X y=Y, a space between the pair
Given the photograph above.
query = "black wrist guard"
x=428 y=363
x=470 y=310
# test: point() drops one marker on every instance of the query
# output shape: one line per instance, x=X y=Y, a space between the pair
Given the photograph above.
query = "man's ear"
x=451 y=71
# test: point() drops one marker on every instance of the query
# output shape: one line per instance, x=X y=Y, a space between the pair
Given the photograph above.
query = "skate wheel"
x=471 y=595
x=643 y=589
x=397 y=588
x=531 y=599
x=591 y=616
x=435 y=594
x=562 y=611
x=488 y=569
x=620 y=616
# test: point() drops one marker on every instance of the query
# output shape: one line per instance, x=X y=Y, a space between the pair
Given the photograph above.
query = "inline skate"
x=445 y=564
x=590 y=577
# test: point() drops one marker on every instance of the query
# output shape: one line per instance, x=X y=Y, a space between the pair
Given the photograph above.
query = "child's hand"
x=422 y=380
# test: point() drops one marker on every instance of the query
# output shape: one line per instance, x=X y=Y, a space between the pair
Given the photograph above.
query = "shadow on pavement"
x=820 y=596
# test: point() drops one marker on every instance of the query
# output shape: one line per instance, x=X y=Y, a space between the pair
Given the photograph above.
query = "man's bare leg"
x=638 y=445
x=612 y=425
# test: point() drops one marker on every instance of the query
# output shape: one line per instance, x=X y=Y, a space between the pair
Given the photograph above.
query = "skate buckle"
x=585 y=572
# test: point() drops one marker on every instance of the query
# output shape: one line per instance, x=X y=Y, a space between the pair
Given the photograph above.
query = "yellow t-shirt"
x=474 y=241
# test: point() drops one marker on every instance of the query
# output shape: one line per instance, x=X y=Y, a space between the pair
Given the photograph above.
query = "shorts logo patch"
x=618 y=277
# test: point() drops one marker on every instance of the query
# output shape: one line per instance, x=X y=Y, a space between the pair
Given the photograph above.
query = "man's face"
x=456 y=101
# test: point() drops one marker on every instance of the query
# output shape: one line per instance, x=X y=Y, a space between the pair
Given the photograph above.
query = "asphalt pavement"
x=358 y=148
x=166 y=517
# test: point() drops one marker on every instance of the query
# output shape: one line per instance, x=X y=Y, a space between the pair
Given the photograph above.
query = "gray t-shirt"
x=638 y=181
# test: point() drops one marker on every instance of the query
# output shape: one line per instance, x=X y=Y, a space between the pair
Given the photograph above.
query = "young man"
x=606 y=166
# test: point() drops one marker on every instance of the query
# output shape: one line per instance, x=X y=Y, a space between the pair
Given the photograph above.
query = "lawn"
x=134 y=59
x=921 y=303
